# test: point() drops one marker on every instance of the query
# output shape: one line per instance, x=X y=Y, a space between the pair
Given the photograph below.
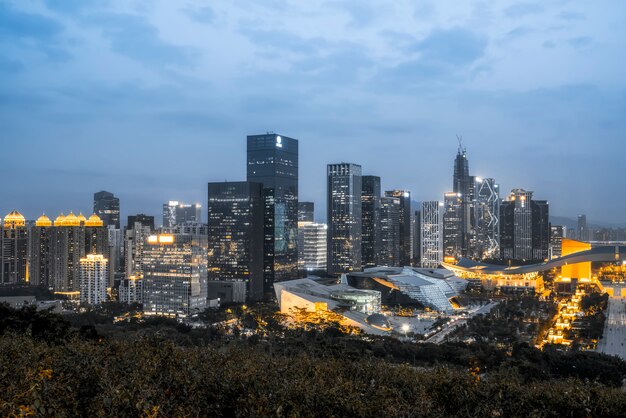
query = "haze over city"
x=152 y=100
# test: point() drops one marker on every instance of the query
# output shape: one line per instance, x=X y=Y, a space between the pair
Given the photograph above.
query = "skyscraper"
x=141 y=219
x=389 y=253
x=273 y=162
x=417 y=237
x=431 y=234
x=344 y=218
x=452 y=225
x=404 y=220
x=306 y=212
x=314 y=240
x=41 y=236
x=487 y=218
x=93 y=279
x=524 y=227
x=582 y=231
x=175 y=275
x=556 y=241
x=463 y=184
x=235 y=231
x=14 y=250
x=176 y=213
x=371 y=226
x=107 y=207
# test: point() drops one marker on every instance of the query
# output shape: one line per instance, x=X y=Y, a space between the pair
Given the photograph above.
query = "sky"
x=153 y=99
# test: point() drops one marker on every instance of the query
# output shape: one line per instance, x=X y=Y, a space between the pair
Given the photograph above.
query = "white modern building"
x=131 y=290
x=433 y=288
x=431 y=234
x=94 y=275
x=358 y=308
x=312 y=246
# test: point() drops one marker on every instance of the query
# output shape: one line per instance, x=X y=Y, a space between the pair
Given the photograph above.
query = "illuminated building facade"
x=464 y=184
x=306 y=212
x=389 y=254
x=314 y=241
x=175 y=275
x=344 y=218
x=556 y=241
x=134 y=243
x=453 y=225
x=41 y=238
x=582 y=233
x=131 y=290
x=487 y=218
x=431 y=234
x=235 y=231
x=524 y=227
x=417 y=237
x=93 y=279
x=371 y=222
x=404 y=221
x=175 y=213
x=107 y=207
x=273 y=162
x=14 y=250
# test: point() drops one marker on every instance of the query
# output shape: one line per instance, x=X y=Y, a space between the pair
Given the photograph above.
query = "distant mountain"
x=573 y=223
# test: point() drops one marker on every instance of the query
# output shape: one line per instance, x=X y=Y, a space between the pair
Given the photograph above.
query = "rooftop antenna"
x=461 y=147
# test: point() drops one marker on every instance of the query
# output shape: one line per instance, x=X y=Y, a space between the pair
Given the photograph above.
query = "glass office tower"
x=371 y=226
x=107 y=207
x=273 y=162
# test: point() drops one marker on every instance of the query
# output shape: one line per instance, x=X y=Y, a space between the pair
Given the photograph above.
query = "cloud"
x=204 y=14
x=571 y=16
x=362 y=13
x=283 y=40
x=451 y=47
x=523 y=9
x=133 y=37
x=18 y=25
x=580 y=42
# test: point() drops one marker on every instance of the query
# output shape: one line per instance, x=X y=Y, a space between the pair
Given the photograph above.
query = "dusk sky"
x=153 y=99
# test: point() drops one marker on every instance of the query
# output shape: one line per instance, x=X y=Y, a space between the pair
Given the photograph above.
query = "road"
x=613 y=340
x=440 y=337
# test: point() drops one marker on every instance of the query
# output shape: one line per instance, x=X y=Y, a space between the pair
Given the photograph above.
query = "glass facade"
x=107 y=207
x=273 y=162
x=389 y=253
x=175 y=275
x=404 y=222
x=344 y=218
x=235 y=230
x=371 y=225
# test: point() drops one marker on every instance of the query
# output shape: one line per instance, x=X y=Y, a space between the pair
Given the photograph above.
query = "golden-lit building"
x=93 y=279
x=175 y=275
x=14 y=250
x=576 y=270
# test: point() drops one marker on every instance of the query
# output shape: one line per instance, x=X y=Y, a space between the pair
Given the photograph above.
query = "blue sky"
x=151 y=100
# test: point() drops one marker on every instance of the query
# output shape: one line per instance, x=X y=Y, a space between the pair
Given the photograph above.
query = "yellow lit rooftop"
x=43 y=220
x=14 y=219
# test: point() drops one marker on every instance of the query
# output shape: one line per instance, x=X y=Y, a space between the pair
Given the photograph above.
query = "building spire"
x=461 y=147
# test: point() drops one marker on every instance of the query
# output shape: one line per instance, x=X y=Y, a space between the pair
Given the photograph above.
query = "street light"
x=405 y=329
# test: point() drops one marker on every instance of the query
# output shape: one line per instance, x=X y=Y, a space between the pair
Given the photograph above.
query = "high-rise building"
x=487 y=218
x=135 y=239
x=107 y=207
x=93 y=279
x=306 y=212
x=175 y=213
x=371 y=222
x=582 y=231
x=417 y=237
x=131 y=290
x=142 y=219
x=556 y=241
x=464 y=184
x=175 y=275
x=41 y=237
x=404 y=220
x=524 y=227
x=389 y=253
x=453 y=226
x=344 y=214
x=14 y=250
x=431 y=234
x=314 y=241
x=273 y=162
x=235 y=231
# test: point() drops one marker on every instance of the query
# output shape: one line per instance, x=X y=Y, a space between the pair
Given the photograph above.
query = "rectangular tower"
x=93 y=279
x=235 y=231
x=389 y=253
x=431 y=234
x=344 y=218
x=371 y=227
x=107 y=207
x=404 y=220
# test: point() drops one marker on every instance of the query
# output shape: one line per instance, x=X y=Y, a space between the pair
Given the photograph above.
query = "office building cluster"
x=257 y=233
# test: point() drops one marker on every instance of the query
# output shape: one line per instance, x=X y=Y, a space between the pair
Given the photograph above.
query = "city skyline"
x=526 y=84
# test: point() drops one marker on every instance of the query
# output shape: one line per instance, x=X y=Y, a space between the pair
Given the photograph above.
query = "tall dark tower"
x=370 y=229
x=273 y=162
x=461 y=180
x=463 y=184
x=107 y=207
x=404 y=219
